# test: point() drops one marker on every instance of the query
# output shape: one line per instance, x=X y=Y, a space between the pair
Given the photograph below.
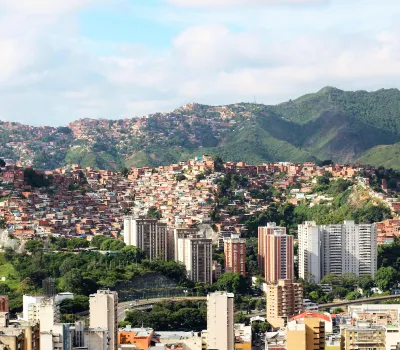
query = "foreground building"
x=363 y=336
x=149 y=235
x=220 y=321
x=104 y=317
x=275 y=253
x=337 y=249
x=284 y=299
x=308 y=334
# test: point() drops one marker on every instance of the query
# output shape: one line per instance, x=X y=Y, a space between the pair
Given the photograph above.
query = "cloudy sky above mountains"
x=61 y=60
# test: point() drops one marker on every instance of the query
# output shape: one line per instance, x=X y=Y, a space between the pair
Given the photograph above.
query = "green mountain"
x=344 y=126
x=387 y=156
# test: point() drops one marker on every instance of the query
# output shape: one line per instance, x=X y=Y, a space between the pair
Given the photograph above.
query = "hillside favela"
x=264 y=214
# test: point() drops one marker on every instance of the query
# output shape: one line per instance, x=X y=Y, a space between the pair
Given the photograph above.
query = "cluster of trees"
x=81 y=273
x=346 y=286
x=168 y=316
x=107 y=243
x=34 y=179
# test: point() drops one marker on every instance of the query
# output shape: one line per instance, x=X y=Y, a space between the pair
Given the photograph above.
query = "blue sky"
x=67 y=59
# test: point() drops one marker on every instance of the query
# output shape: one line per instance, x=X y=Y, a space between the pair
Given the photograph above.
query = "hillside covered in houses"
x=331 y=124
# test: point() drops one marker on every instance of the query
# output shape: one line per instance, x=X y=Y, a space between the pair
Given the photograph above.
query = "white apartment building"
x=51 y=332
x=149 y=235
x=220 y=321
x=31 y=307
x=104 y=315
x=195 y=252
x=337 y=249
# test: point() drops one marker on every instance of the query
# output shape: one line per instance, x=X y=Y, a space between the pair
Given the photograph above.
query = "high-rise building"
x=275 y=253
x=196 y=254
x=220 y=321
x=284 y=299
x=104 y=314
x=363 y=336
x=149 y=235
x=176 y=233
x=235 y=255
x=308 y=334
x=310 y=261
x=337 y=249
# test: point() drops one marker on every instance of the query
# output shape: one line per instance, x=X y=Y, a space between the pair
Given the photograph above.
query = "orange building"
x=275 y=253
x=142 y=337
x=235 y=255
x=387 y=230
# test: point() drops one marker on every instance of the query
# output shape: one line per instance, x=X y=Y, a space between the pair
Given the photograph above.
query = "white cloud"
x=207 y=3
x=43 y=7
x=50 y=75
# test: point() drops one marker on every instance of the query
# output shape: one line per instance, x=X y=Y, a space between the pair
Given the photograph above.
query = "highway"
x=122 y=307
x=358 y=301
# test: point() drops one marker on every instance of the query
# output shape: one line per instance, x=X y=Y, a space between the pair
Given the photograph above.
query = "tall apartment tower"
x=104 y=314
x=149 y=235
x=220 y=321
x=310 y=252
x=337 y=249
x=235 y=255
x=176 y=233
x=284 y=299
x=275 y=253
x=195 y=252
x=307 y=335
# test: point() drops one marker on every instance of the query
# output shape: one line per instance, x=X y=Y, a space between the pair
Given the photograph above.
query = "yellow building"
x=284 y=299
x=308 y=334
x=242 y=337
x=363 y=337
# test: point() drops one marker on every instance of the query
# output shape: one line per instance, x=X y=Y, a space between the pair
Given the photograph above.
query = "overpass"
x=358 y=301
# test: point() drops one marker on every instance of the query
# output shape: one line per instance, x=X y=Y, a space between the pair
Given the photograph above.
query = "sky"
x=61 y=60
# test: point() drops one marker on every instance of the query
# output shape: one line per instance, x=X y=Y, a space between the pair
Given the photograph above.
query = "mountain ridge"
x=329 y=124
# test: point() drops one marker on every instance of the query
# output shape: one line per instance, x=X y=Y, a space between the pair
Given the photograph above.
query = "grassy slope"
x=386 y=155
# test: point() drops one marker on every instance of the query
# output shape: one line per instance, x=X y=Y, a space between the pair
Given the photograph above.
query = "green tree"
x=73 y=281
x=153 y=213
x=3 y=223
x=33 y=245
x=232 y=282
x=75 y=243
x=98 y=240
x=387 y=278
x=200 y=177
x=124 y=171
x=180 y=177
x=2 y=163
x=338 y=310
x=353 y=296
x=72 y=306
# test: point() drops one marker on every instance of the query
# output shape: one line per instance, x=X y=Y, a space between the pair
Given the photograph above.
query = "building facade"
x=337 y=249
x=235 y=255
x=308 y=334
x=275 y=253
x=220 y=321
x=196 y=254
x=149 y=235
x=104 y=314
x=284 y=299
x=363 y=336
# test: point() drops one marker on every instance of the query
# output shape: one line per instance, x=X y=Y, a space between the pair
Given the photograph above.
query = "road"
x=358 y=301
x=122 y=307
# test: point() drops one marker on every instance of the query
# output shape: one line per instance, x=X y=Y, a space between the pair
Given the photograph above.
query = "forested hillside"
x=330 y=124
